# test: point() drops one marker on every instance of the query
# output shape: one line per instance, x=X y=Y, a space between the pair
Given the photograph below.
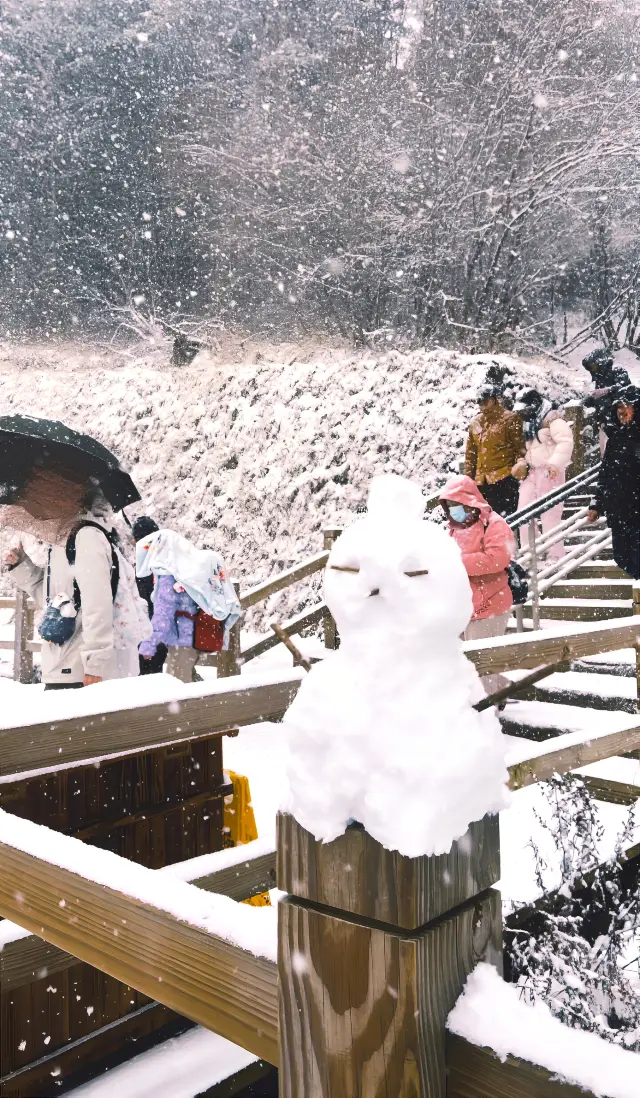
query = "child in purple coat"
x=173 y=624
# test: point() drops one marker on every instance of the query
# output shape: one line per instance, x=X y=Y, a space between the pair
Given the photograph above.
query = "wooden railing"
x=201 y=976
x=253 y=872
x=198 y=712
x=23 y=644
x=229 y=663
x=202 y=709
x=235 y=993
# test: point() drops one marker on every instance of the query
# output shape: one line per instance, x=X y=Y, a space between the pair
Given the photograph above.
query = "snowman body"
x=384 y=731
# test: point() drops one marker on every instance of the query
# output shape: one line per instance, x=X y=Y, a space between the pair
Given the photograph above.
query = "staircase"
x=594 y=591
x=597 y=690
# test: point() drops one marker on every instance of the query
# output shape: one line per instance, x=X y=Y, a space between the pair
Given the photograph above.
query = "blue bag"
x=59 y=620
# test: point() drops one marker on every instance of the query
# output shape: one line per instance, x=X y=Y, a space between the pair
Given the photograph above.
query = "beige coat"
x=91 y=650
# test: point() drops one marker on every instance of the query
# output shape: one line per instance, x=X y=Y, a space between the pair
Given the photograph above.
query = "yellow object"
x=240 y=824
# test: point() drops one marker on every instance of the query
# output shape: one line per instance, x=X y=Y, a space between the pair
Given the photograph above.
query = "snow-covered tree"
x=396 y=167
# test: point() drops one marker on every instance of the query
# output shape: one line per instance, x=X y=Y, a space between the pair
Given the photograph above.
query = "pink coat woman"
x=487 y=547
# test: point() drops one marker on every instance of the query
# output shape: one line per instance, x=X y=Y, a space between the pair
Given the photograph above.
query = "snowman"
x=383 y=731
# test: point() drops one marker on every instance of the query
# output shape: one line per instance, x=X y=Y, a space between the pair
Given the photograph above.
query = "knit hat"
x=144 y=526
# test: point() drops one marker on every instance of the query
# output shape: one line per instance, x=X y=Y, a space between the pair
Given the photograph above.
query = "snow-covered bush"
x=578 y=950
x=254 y=458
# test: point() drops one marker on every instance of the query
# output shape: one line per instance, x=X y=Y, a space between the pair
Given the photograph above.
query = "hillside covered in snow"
x=254 y=459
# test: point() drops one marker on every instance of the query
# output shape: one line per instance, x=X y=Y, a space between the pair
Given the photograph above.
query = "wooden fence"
x=373 y=948
x=229 y=663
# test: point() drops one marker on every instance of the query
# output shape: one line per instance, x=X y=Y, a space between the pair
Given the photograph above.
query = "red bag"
x=208 y=633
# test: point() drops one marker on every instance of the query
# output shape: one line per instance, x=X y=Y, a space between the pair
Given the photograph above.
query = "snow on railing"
x=201 y=954
x=249 y=928
x=491 y=1014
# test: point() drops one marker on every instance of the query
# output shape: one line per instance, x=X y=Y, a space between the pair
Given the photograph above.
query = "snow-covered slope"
x=254 y=459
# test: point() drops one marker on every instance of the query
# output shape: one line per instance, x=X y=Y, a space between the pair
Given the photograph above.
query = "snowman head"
x=394 y=577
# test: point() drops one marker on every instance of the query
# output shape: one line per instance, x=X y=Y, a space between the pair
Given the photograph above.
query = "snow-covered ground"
x=254 y=458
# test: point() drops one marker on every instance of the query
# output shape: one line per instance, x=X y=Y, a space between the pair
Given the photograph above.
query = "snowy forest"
x=445 y=170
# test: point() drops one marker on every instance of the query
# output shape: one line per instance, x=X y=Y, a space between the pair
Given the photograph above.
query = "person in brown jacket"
x=495 y=452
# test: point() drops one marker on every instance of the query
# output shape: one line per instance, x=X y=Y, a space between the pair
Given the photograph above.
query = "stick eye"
x=348 y=568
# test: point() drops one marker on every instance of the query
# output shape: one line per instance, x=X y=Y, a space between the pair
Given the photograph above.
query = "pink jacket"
x=486 y=547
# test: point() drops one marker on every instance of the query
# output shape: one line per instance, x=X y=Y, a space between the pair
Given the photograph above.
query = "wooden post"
x=331 y=638
x=636 y=610
x=228 y=662
x=22 y=656
x=574 y=412
x=373 y=951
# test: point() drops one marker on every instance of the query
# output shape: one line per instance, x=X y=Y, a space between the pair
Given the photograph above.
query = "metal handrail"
x=541 y=579
x=573 y=560
x=557 y=533
x=555 y=496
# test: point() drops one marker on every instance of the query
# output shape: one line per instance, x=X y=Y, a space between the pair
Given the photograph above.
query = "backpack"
x=518 y=582
x=70 y=550
x=59 y=620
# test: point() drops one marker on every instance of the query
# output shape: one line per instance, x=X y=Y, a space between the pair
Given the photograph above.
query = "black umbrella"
x=28 y=445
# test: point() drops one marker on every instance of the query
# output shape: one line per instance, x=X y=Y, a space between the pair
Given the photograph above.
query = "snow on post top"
x=384 y=732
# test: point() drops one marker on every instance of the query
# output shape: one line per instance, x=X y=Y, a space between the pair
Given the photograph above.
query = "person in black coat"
x=618 y=492
x=141 y=528
x=608 y=382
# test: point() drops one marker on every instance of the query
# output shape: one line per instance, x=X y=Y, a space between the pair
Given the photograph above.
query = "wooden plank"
x=22 y=656
x=567 y=754
x=565 y=610
x=241 y=882
x=478 y=1073
x=228 y=662
x=153 y=811
x=43 y=1077
x=127 y=804
x=291 y=628
x=27 y=959
x=194 y=973
x=357 y=875
x=55 y=1007
x=9 y=602
x=24 y=959
x=574 y=414
x=329 y=627
x=549 y=646
x=363 y=1008
x=606 y=789
x=284 y=579
x=39 y=746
